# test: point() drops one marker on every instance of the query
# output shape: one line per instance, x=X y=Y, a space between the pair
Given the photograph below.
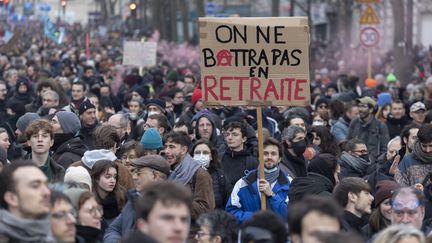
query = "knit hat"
x=391 y=78
x=384 y=190
x=332 y=86
x=23 y=122
x=384 y=98
x=417 y=106
x=366 y=100
x=321 y=101
x=21 y=81
x=196 y=96
x=69 y=122
x=151 y=139
x=74 y=195
x=157 y=102
x=153 y=161
x=91 y=157
x=79 y=175
x=86 y=105
x=141 y=90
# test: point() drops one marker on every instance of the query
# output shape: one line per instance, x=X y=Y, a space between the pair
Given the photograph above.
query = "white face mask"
x=317 y=123
x=203 y=159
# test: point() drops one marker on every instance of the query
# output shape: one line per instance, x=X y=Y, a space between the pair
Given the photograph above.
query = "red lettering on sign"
x=209 y=88
x=223 y=88
x=271 y=89
x=241 y=79
x=255 y=85
x=298 y=90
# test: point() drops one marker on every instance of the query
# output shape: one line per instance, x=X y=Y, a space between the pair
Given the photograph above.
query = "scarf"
x=25 y=230
x=422 y=156
x=186 y=169
x=271 y=175
x=358 y=164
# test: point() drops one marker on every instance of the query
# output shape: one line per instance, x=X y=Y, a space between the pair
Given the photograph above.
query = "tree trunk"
x=185 y=20
x=409 y=26
x=400 y=62
x=275 y=8
x=292 y=7
x=345 y=24
x=173 y=20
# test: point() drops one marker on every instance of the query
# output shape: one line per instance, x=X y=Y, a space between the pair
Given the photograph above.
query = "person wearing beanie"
x=380 y=216
x=23 y=92
x=22 y=124
x=141 y=167
x=140 y=92
x=155 y=106
x=197 y=106
x=68 y=146
x=78 y=96
x=151 y=141
x=78 y=175
x=322 y=106
x=88 y=118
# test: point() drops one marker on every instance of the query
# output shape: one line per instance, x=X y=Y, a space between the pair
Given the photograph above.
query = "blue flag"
x=50 y=31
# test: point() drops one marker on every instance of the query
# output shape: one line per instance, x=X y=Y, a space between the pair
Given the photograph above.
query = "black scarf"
x=296 y=164
x=110 y=206
x=422 y=156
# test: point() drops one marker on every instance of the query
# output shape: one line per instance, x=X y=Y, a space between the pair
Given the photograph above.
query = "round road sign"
x=369 y=37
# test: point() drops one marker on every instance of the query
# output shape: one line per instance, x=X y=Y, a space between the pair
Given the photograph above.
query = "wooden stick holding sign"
x=255 y=62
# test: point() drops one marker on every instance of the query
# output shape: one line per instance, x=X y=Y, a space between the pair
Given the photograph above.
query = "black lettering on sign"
x=209 y=60
x=224 y=34
x=265 y=36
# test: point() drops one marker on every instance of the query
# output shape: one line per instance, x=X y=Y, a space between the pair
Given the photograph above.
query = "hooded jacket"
x=312 y=184
x=14 y=229
x=215 y=139
x=235 y=165
x=245 y=198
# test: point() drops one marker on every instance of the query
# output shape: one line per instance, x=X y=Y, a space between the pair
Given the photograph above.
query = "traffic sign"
x=369 y=37
x=369 y=16
x=211 y=8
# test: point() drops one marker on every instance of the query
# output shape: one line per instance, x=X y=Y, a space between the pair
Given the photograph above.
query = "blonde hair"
x=395 y=233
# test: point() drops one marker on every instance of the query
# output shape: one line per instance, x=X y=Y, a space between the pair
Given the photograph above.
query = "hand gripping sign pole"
x=255 y=62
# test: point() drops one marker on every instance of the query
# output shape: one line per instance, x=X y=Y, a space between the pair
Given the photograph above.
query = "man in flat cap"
x=145 y=171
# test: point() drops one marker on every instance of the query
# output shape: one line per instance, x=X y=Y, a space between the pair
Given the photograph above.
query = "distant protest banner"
x=141 y=54
x=255 y=61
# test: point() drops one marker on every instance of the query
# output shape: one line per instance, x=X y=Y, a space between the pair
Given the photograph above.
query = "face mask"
x=133 y=116
x=299 y=147
x=152 y=113
x=203 y=159
x=317 y=123
x=365 y=157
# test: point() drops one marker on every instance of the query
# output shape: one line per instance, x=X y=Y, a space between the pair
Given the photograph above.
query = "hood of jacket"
x=90 y=157
x=25 y=230
x=73 y=145
x=312 y=184
x=212 y=118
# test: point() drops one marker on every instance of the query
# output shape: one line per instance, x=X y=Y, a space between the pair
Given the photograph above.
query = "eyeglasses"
x=64 y=214
x=93 y=211
x=128 y=157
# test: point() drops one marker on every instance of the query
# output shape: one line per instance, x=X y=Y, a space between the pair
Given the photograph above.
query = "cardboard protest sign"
x=141 y=54
x=255 y=61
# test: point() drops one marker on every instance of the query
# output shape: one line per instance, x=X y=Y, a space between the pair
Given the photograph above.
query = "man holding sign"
x=245 y=197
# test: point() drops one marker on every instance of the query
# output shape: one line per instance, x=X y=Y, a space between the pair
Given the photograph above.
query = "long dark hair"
x=328 y=142
x=214 y=163
x=99 y=168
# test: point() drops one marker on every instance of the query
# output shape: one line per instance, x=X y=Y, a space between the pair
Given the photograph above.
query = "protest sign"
x=255 y=61
x=141 y=54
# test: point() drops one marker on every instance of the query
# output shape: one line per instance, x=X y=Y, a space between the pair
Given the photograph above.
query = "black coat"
x=70 y=151
x=395 y=126
x=312 y=184
x=219 y=187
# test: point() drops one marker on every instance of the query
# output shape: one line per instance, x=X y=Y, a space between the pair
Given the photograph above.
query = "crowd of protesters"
x=92 y=151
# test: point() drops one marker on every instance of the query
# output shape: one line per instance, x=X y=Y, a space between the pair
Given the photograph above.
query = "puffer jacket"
x=245 y=199
x=70 y=151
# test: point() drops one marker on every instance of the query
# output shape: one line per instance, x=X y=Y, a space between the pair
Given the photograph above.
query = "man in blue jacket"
x=245 y=198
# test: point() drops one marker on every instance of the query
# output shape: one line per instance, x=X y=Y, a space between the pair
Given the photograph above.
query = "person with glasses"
x=63 y=218
x=88 y=214
x=408 y=208
x=354 y=161
x=130 y=151
x=415 y=167
x=145 y=171
x=217 y=227
x=369 y=129
x=321 y=107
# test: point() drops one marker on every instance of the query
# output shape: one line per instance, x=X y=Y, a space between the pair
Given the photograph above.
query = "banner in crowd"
x=255 y=61
x=140 y=54
x=50 y=31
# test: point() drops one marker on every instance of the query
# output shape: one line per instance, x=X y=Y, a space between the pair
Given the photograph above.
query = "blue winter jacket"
x=245 y=197
x=125 y=222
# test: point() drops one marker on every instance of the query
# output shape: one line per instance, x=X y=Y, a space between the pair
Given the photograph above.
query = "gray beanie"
x=23 y=122
x=69 y=122
x=74 y=195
